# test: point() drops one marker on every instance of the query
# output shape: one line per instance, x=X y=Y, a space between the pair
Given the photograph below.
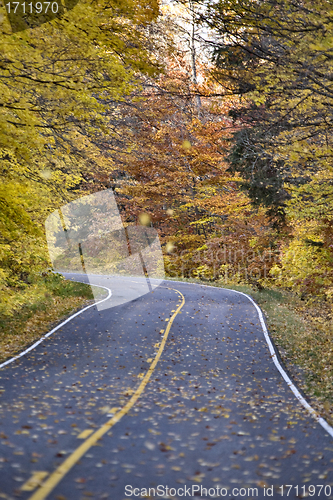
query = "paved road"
x=174 y=389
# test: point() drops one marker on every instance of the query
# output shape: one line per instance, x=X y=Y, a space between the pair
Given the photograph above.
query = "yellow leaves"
x=154 y=432
x=198 y=477
x=251 y=458
x=301 y=259
x=50 y=79
x=46 y=174
x=323 y=44
x=273 y=437
x=169 y=247
x=164 y=447
x=145 y=219
x=186 y=145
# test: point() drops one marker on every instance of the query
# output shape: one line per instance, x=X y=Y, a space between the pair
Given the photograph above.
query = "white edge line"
x=57 y=327
x=290 y=384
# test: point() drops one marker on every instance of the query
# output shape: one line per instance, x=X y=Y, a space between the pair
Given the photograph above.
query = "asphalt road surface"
x=171 y=395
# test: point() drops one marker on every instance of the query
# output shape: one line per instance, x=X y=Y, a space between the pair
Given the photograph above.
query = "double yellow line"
x=56 y=476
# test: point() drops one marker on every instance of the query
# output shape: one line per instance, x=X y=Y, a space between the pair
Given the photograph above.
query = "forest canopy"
x=56 y=83
x=213 y=118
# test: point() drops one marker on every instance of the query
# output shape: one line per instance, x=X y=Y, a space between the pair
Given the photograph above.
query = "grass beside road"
x=28 y=314
x=303 y=334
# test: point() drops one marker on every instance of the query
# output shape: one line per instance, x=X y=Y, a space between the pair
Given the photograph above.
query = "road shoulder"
x=39 y=312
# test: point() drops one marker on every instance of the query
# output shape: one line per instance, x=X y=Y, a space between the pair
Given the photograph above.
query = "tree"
x=174 y=169
x=278 y=54
x=55 y=82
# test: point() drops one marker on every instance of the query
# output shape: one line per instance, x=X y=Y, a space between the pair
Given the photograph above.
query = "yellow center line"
x=84 y=434
x=56 y=476
x=34 y=481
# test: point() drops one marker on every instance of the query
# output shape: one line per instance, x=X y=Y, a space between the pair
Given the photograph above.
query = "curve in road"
x=216 y=413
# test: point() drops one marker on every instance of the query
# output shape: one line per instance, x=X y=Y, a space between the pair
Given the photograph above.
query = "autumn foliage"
x=226 y=152
x=175 y=170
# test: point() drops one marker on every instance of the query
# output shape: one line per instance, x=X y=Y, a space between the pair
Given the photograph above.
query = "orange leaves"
x=175 y=171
